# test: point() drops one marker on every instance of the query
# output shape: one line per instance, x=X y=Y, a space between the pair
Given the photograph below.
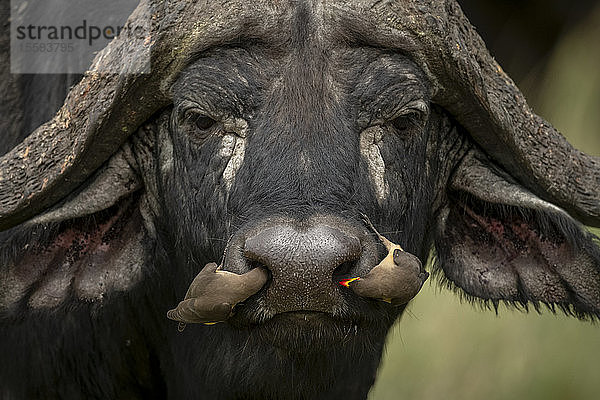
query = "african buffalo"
x=275 y=150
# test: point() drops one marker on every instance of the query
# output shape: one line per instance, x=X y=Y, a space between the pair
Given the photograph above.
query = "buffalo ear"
x=92 y=244
x=114 y=181
x=497 y=241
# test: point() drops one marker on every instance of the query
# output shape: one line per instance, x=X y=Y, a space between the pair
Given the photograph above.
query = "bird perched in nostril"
x=213 y=293
x=396 y=279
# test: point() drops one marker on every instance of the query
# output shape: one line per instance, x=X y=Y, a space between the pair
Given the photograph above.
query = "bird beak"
x=346 y=282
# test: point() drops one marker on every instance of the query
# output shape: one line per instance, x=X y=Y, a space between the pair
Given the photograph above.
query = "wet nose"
x=302 y=261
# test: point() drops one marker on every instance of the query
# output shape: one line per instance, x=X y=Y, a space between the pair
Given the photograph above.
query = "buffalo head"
x=276 y=150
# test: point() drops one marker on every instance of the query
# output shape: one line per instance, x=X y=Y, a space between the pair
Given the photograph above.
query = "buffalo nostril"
x=252 y=264
x=344 y=270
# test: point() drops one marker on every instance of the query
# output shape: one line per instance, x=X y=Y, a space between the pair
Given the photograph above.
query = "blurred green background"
x=447 y=349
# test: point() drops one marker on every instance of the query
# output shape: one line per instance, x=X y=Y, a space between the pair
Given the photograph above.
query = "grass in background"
x=445 y=349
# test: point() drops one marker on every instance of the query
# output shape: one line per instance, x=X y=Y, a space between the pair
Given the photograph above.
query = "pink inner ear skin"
x=87 y=257
x=514 y=235
x=496 y=227
x=507 y=255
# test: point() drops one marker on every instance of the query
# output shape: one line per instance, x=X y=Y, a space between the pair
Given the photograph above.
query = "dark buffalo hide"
x=288 y=124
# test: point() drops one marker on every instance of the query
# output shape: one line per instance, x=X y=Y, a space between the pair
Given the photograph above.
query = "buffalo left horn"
x=103 y=109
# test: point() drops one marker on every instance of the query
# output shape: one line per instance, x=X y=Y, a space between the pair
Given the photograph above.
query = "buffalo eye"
x=204 y=123
x=406 y=123
x=201 y=122
x=198 y=125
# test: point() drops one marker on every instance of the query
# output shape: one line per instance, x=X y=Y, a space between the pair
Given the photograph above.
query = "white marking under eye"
x=369 y=149
x=233 y=146
x=166 y=152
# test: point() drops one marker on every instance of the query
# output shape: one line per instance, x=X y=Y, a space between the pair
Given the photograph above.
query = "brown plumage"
x=213 y=293
x=396 y=279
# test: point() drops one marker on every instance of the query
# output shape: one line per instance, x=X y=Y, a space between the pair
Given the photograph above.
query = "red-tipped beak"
x=346 y=282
